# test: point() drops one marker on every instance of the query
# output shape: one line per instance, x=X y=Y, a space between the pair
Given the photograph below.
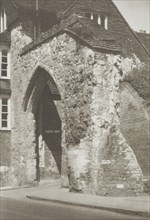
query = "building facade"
x=66 y=112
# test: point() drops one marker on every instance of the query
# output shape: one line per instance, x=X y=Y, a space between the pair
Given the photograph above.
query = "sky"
x=136 y=13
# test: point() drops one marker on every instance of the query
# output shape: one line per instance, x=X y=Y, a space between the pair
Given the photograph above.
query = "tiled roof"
x=88 y=5
x=47 y=5
x=97 y=30
x=94 y=34
x=62 y=5
x=145 y=38
x=79 y=28
x=119 y=34
x=130 y=45
x=135 y=45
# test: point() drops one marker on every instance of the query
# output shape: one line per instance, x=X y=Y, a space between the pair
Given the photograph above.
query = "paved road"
x=28 y=209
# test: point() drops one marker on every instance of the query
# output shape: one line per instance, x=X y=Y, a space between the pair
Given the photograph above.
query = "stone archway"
x=39 y=80
x=40 y=97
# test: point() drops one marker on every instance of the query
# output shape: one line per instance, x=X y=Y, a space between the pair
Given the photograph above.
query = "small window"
x=3 y=20
x=4 y=113
x=5 y=63
x=100 y=19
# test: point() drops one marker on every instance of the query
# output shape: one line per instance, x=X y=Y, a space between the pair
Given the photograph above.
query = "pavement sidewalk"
x=139 y=205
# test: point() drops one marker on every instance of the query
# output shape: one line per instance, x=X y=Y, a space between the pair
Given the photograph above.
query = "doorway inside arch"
x=48 y=137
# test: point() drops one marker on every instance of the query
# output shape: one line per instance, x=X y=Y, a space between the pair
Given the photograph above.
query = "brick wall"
x=135 y=125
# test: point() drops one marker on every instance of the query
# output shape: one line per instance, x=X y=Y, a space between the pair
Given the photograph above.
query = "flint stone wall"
x=96 y=157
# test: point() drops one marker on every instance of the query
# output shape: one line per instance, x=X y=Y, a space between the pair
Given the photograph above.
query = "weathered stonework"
x=95 y=156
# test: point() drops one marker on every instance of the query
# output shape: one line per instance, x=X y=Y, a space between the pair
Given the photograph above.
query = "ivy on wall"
x=140 y=81
x=78 y=99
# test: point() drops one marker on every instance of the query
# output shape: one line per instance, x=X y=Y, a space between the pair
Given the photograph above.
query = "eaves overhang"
x=102 y=42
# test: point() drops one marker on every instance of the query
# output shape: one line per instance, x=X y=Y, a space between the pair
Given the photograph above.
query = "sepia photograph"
x=74 y=109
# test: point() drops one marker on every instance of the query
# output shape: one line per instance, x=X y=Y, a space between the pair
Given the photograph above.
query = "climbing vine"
x=140 y=80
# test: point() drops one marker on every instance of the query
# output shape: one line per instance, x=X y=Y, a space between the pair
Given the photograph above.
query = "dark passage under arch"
x=39 y=80
x=39 y=99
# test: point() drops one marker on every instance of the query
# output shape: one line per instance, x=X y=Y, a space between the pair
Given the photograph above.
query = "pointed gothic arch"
x=39 y=99
x=39 y=80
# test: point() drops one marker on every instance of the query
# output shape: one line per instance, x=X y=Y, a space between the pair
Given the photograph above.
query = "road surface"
x=28 y=209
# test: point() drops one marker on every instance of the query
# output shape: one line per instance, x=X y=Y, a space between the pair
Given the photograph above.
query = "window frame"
x=4 y=47
x=8 y=112
x=99 y=18
x=3 y=20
